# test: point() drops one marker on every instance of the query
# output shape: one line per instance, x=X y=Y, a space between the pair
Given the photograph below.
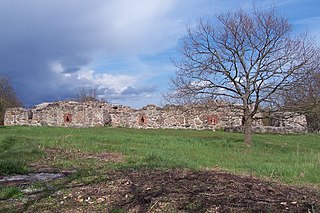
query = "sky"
x=52 y=49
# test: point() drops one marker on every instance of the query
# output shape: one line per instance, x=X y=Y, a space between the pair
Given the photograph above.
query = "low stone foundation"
x=269 y=129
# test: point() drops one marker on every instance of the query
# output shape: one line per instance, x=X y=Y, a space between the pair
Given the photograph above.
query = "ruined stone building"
x=91 y=114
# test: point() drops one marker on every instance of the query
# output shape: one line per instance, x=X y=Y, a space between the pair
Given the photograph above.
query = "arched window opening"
x=142 y=120
x=30 y=115
x=67 y=118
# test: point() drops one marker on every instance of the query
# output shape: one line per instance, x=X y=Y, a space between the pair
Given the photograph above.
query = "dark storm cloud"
x=37 y=34
x=71 y=70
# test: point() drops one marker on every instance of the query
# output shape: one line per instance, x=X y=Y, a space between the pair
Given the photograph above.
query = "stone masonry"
x=91 y=114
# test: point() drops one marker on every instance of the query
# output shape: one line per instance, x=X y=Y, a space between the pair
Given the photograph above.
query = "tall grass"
x=289 y=158
x=15 y=153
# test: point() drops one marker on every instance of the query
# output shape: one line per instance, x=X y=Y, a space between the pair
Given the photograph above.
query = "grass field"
x=293 y=159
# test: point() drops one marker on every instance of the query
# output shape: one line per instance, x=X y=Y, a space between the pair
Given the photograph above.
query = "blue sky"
x=51 y=49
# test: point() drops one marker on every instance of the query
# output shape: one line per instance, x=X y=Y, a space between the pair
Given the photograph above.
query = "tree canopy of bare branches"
x=86 y=95
x=242 y=57
x=304 y=98
x=8 y=97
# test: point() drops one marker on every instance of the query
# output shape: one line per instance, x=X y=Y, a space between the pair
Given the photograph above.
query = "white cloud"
x=90 y=78
x=56 y=67
x=86 y=75
x=200 y=84
x=116 y=82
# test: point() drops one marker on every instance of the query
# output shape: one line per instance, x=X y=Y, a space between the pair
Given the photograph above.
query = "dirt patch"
x=106 y=156
x=53 y=153
x=184 y=191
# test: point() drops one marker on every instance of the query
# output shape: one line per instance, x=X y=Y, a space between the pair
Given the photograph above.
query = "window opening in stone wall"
x=266 y=118
x=30 y=115
x=142 y=120
x=212 y=119
x=67 y=118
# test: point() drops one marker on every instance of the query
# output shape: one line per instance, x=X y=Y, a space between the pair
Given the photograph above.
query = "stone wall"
x=90 y=114
x=282 y=123
x=180 y=117
x=68 y=114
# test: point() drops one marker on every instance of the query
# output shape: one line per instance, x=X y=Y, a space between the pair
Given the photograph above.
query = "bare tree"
x=242 y=57
x=304 y=98
x=8 y=97
x=86 y=95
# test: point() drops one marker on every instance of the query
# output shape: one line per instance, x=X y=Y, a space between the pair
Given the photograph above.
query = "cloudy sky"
x=51 y=49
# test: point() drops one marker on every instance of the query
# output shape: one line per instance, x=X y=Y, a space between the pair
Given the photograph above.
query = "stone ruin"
x=92 y=114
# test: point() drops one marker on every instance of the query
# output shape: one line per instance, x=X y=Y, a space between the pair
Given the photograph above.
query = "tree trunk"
x=248 y=132
x=247 y=127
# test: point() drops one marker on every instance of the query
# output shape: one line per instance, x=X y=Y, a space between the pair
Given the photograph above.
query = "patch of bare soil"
x=183 y=191
x=52 y=153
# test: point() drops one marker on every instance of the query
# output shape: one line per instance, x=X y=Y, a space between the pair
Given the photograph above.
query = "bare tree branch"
x=8 y=97
x=86 y=95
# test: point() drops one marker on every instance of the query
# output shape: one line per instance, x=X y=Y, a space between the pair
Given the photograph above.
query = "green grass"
x=288 y=158
x=10 y=192
x=15 y=152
